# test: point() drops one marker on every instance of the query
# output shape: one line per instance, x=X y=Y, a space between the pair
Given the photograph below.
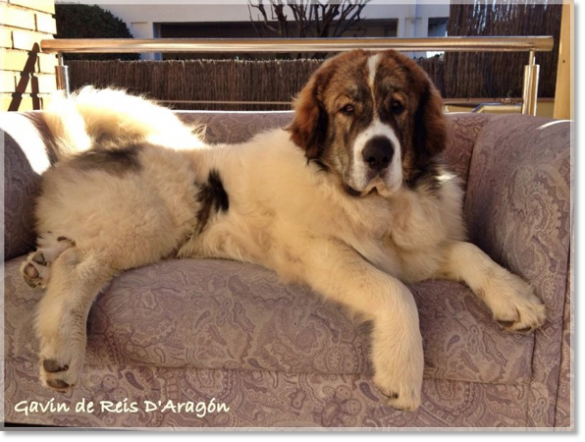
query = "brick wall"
x=27 y=77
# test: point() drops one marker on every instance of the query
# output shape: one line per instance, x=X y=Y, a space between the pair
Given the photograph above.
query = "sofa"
x=211 y=332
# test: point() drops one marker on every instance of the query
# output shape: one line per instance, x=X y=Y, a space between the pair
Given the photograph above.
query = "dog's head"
x=372 y=118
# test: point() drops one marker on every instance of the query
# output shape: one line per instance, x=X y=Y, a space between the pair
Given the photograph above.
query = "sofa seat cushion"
x=216 y=314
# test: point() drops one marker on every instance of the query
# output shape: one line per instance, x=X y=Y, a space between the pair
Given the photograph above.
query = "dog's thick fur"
x=351 y=199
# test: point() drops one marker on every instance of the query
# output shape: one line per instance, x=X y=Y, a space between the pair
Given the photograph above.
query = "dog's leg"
x=341 y=274
x=76 y=279
x=511 y=300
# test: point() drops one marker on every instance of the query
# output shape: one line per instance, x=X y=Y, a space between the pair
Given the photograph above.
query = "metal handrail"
x=460 y=44
x=531 y=44
x=461 y=102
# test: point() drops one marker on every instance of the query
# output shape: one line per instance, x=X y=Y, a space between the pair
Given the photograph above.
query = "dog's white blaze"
x=372 y=67
x=393 y=177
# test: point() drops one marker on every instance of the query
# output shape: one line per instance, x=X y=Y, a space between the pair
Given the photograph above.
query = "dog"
x=351 y=199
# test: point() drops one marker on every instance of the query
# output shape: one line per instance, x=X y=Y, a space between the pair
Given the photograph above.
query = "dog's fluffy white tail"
x=110 y=118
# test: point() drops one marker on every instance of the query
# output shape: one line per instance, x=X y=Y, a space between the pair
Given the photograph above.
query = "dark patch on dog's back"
x=115 y=161
x=212 y=197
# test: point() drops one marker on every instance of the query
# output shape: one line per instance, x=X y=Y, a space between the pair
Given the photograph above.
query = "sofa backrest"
x=25 y=159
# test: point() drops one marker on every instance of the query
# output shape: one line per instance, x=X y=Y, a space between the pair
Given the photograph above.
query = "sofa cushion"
x=222 y=314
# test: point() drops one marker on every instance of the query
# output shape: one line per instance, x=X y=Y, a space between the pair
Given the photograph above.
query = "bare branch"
x=260 y=7
x=317 y=20
x=332 y=12
x=345 y=10
x=259 y=30
x=312 y=18
x=278 y=10
x=349 y=22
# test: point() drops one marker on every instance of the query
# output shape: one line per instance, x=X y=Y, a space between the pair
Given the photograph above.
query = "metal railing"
x=530 y=44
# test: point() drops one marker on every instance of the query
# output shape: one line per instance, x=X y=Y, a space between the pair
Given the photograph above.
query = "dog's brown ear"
x=309 y=127
x=430 y=124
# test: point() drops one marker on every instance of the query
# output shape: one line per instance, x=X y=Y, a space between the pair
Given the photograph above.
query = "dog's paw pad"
x=30 y=272
x=66 y=240
x=52 y=366
x=505 y=324
x=33 y=273
x=58 y=384
x=39 y=258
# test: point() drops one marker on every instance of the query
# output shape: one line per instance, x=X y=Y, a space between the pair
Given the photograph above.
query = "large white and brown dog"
x=349 y=199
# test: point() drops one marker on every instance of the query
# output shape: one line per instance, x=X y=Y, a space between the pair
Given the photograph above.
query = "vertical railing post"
x=62 y=75
x=530 y=86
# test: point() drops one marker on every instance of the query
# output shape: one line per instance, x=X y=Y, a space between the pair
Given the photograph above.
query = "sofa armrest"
x=25 y=159
x=518 y=208
x=518 y=200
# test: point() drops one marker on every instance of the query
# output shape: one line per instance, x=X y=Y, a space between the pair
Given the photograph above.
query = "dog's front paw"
x=399 y=363
x=399 y=394
x=514 y=305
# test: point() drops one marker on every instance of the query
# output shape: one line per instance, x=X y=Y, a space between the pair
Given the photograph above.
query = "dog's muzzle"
x=378 y=153
x=376 y=162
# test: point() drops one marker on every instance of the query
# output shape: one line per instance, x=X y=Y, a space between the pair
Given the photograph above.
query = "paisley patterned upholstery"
x=277 y=355
x=25 y=160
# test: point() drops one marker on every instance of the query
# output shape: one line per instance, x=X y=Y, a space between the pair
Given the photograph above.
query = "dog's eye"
x=397 y=107
x=348 y=109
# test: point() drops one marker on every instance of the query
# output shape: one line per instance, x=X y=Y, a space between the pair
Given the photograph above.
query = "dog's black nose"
x=378 y=153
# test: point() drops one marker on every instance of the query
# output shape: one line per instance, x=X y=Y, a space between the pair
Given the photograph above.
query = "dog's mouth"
x=377 y=186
